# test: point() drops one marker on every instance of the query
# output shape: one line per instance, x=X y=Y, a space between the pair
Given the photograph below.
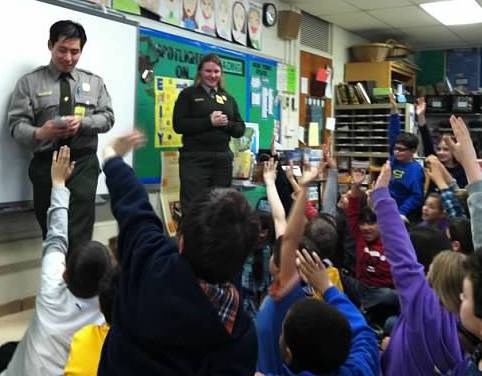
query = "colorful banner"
x=167 y=90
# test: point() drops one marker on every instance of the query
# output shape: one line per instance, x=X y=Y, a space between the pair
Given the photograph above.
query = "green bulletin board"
x=173 y=56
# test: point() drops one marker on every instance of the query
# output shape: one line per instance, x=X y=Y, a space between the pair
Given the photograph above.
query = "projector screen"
x=110 y=52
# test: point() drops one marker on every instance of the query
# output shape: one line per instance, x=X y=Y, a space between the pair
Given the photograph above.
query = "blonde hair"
x=446 y=276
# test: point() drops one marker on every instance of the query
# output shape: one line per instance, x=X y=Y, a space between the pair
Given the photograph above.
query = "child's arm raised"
x=56 y=242
x=363 y=356
x=294 y=229
x=463 y=150
x=277 y=209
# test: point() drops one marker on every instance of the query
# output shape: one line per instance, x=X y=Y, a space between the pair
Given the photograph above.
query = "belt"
x=74 y=154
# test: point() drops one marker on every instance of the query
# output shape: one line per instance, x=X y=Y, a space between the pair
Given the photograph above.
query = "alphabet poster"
x=167 y=90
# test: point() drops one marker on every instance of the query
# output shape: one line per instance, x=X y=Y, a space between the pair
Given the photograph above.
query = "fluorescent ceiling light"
x=455 y=12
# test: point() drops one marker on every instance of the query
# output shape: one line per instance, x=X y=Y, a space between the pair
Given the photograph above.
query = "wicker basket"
x=398 y=49
x=373 y=52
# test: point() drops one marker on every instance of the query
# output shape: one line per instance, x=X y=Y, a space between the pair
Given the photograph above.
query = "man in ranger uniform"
x=57 y=105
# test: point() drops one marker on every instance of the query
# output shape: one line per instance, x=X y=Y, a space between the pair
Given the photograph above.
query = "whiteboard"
x=110 y=52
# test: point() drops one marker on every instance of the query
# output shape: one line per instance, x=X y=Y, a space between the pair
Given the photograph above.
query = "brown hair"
x=446 y=276
x=209 y=58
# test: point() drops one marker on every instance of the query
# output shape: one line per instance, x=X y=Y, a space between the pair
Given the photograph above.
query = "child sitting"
x=87 y=343
x=67 y=297
x=406 y=185
x=178 y=311
x=373 y=282
x=427 y=306
x=329 y=337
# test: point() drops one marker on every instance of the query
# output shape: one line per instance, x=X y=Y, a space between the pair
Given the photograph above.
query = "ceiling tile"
x=423 y=1
x=469 y=33
x=356 y=21
x=377 y=4
x=325 y=7
x=431 y=34
x=411 y=16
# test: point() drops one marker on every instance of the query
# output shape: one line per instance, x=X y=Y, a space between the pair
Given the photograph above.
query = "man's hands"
x=312 y=271
x=218 y=119
x=120 y=146
x=68 y=126
x=61 y=167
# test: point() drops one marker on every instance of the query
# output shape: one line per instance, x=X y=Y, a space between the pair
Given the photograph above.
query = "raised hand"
x=385 y=175
x=463 y=149
x=393 y=103
x=310 y=173
x=120 y=146
x=421 y=106
x=436 y=172
x=312 y=271
x=269 y=171
x=61 y=168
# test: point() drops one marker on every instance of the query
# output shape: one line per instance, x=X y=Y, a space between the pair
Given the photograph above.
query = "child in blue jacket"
x=406 y=185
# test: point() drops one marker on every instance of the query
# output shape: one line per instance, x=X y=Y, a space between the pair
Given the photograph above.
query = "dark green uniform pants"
x=199 y=171
x=82 y=185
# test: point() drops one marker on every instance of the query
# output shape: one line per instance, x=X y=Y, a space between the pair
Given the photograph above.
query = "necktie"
x=212 y=93
x=65 y=103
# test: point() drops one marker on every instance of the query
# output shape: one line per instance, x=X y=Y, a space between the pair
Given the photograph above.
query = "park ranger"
x=59 y=104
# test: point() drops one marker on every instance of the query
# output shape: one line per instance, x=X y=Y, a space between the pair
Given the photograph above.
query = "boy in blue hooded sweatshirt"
x=406 y=185
x=328 y=337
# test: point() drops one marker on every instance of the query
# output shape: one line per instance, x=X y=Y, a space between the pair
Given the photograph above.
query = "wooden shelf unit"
x=361 y=135
x=383 y=73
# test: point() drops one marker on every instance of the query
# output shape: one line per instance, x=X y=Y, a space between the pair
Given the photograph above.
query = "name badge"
x=85 y=86
x=44 y=93
x=198 y=99
x=79 y=111
x=219 y=99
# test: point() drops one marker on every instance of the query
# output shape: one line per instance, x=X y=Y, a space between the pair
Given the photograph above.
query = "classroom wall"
x=20 y=259
x=341 y=40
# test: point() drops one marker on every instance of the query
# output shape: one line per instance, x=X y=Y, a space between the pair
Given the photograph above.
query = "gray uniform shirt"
x=36 y=100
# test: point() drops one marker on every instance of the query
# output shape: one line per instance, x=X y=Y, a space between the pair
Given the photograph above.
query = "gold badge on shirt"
x=79 y=111
x=220 y=99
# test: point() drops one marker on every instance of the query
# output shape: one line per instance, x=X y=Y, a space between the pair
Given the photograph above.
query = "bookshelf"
x=361 y=136
x=384 y=73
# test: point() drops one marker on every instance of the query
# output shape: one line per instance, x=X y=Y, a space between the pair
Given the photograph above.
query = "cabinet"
x=361 y=136
x=383 y=73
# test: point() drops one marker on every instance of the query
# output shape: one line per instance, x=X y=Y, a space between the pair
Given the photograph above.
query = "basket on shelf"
x=372 y=52
x=398 y=50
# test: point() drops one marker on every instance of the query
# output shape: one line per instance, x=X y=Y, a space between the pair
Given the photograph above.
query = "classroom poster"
x=254 y=25
x=244 y=149
x=128 y=6
x=205 y=17
x=170 y=11
x=188 y=18
x=240 y=22
x=167 y=90
x=150 y=5
x=169 y=192
x=223 y=18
